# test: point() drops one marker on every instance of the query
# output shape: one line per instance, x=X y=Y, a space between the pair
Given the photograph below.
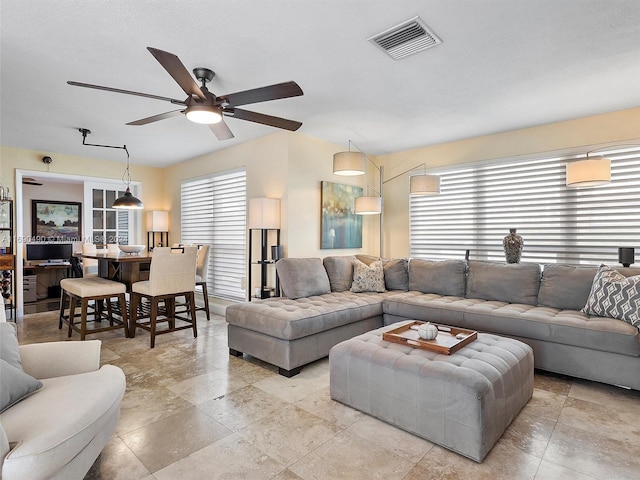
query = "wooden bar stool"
x=84 y=290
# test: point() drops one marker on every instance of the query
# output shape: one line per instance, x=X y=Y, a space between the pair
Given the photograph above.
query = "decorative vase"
x=512 y=244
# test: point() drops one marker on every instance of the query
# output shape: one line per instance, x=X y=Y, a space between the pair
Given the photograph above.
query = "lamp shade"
x=128 y=202
x=264 y=213
x=157 y=221
x=368 y=205
x=590 y=172
x=349 y=163
x=424 y=185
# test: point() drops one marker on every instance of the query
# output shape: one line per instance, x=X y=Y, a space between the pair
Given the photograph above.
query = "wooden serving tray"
x=445 y=343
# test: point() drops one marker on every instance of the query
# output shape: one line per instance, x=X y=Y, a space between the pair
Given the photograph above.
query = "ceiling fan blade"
x=127 y=92
x=263 y=94
x=263 y=119
x=221 y=130
x=155 y=118
x=177 y=70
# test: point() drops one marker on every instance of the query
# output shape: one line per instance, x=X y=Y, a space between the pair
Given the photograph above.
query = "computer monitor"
x=49 y=251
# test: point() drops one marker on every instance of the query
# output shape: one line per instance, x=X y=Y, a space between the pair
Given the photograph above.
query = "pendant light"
x=349 y=163
x=127 y=201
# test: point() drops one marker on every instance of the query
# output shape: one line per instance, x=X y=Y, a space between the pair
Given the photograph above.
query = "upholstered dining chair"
x=89 y=265
x=172 y=274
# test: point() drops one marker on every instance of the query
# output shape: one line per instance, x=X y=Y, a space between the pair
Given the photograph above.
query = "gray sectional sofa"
x=537 y=304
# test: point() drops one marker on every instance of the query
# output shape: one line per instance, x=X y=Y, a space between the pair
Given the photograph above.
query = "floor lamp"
x=354 y=163
x=157 y=222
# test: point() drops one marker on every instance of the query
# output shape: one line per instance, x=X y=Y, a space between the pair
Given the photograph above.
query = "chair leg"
x=60 y=320
x=72 y=314
x=206 y=299
x=152 y=321
x=110 y=312
x=83 y=318
x=133 y=315
x=192 y=308
x=170 y=311
x=123 y=309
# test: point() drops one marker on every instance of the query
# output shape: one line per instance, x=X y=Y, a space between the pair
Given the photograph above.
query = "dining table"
x=127 y=268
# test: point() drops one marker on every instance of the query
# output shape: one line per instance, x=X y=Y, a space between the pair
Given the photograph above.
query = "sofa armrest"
x=56 y=359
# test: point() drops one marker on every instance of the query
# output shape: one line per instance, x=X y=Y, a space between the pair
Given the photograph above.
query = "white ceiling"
x=503 y=65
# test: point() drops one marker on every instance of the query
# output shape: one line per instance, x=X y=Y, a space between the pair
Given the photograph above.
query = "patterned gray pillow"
x=614 y=295
x=367 y=278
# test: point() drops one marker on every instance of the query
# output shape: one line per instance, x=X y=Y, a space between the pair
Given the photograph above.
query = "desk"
x=122 y=267
x=53 y=277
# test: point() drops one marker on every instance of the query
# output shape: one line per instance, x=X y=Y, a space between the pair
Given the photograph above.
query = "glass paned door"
x=108 y=225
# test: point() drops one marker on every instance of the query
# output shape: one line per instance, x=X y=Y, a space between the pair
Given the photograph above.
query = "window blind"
x=213 y=211
x=478 y=205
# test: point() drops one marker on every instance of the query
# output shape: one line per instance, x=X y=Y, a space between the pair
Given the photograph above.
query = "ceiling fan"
x=202 y=106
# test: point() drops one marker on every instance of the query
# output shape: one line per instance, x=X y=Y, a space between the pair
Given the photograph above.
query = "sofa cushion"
x=614 y=295
x=302 y=277
x=51 y=428
x=340 y=272
x=429 y=307
x=565 y=286
x=504 y=282
x=291 y=319
x=15 y=385
x=367 y=278
x=396 y=274
x=568 y=327
x=445 y=277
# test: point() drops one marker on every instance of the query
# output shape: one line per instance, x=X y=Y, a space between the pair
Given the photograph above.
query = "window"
x=479 y=204
x=213 y=211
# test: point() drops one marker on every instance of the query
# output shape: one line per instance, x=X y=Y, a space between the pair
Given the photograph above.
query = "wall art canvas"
x=341 y=227
x=53 y=220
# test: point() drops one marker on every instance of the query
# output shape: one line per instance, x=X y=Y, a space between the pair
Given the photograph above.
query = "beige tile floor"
x=191 y=411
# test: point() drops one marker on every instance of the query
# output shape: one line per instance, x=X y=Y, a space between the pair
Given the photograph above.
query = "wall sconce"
x=157 y=222
x=264 y=213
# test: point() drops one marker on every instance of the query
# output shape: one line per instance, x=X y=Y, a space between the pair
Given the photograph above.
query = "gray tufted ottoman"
x=463 y=402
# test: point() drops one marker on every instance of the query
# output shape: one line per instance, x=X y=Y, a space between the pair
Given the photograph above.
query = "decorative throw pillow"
x=367 y=278
x=614 y=295
x=9 y=351
x=15 y=385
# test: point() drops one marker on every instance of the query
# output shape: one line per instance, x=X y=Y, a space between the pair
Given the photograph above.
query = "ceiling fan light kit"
x=205 y=114
x=204 y=107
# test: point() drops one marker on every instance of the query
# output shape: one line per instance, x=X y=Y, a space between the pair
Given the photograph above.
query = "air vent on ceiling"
x=405 y=39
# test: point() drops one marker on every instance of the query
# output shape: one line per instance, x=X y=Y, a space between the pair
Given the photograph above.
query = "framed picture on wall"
x=53 y=220
x=341 y=227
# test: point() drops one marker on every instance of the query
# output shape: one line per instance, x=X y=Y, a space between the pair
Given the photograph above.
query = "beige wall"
x=573 y=136
x=282 y=165
x=85 y=168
